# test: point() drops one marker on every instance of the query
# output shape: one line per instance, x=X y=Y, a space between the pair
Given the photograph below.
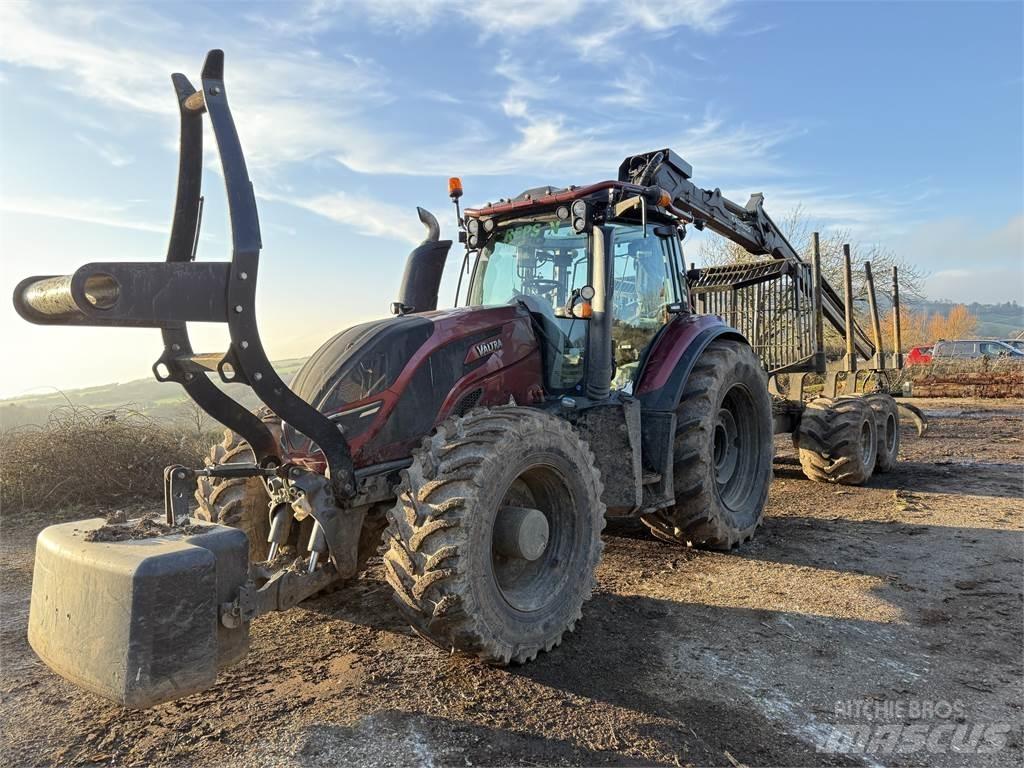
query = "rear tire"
x=443 y=560
x=723 y=451
x=887 y=424
x=838 y=440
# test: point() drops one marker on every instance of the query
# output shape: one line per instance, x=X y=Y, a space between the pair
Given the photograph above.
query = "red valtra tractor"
x=482 y=446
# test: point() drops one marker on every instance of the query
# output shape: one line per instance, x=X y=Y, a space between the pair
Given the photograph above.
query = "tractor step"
x=650 y=478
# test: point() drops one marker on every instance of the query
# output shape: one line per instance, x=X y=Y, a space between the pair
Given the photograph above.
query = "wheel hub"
x=866 y=443
x=890 y=433
x=726 y=449
x=531 y=537
x=521 y=532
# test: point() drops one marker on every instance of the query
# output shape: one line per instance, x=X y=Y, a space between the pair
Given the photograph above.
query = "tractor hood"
x=386 y=383
x=360 y=362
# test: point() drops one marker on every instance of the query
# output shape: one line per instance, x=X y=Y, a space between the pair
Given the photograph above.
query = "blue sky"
x=901 y=122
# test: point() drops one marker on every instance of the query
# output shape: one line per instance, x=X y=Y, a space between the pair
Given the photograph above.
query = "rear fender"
x=672 y=355
x=663 y=373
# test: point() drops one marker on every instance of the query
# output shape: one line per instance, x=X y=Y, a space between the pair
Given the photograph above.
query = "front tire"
x=723 y=451
x=459 y=579
x=238 y=502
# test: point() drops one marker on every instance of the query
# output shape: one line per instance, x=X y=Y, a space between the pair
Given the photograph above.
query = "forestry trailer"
x=484 y=444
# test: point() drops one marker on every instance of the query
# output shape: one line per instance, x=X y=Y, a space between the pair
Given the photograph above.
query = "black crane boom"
x=748 y=226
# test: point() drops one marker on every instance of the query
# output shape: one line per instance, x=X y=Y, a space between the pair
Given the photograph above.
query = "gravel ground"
x=863 y=626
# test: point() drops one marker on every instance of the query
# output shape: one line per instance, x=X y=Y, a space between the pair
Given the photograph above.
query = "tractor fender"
x=664 y=368
x=668 y=360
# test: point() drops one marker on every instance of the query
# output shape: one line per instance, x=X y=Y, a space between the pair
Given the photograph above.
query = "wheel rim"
x=890 y=434
x=726 y=449
x=866 y=443
x=737 y=439
x=530 y=584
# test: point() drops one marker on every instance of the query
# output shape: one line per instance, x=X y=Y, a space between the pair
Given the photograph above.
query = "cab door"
x=648 y=285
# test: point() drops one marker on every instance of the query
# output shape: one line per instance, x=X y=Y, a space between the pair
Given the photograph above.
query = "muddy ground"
x=893 y=609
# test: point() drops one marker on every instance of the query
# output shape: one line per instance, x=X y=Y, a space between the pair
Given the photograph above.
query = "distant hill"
x=169 y=402
x=164 y=401
x=1000 y=321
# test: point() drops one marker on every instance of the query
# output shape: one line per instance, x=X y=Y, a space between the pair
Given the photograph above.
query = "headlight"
x=579 y=215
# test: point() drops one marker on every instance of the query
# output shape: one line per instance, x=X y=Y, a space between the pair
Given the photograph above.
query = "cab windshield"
x=539 y=263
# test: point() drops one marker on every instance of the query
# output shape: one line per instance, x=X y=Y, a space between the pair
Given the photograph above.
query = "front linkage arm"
x=180 y=290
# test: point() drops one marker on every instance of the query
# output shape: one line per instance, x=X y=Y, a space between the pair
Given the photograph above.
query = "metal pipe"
x=423 y=269
x=876 y=325
x=851 y=356
x=599 y=369
x=49 y=297
x=819 y=317
x=280 y=526
x=317 y=546
x=897 y=336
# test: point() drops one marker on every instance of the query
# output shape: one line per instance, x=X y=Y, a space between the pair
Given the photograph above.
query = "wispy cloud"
x=364 y=214
x=594 y=24
x=709 y=16
x=109 y=152
x=98 y=212
x=501 y=16
x=540 y=125
x=631 y=87
x=602 y=42
x=875 y=215
x=442 y=97
x=331 y=115
x=490 y=17
x=297 y=125
x=759 y=30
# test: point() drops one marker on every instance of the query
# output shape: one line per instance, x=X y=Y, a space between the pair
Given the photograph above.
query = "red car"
x=920 y=355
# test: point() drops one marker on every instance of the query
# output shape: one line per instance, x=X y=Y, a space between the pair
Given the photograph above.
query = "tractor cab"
x=594 y=271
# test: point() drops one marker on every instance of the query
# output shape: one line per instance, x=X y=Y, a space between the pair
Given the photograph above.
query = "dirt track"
x=877 y=601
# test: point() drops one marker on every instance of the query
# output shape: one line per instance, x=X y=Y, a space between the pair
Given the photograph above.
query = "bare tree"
x=196 y=418
x=797 y=229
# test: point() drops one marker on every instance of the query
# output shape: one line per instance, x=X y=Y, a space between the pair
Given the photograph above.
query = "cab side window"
x=646 y=280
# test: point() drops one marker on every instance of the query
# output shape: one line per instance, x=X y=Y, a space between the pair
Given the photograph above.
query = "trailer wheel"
x=239 y=502
x=723 y=451
x=887 y=424
x=838 y=440
x=496 y=533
